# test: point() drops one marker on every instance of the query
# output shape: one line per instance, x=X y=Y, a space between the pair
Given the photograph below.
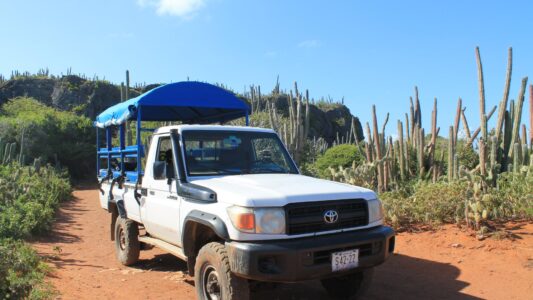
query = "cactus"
x=21 y=154
x=1 y=150
x=465 y=125
x=451 y=154
x=517 y=115
x=434 y=137
x=530 y=117
x=401 y=160
x=505 y=98
x=482 y=158
x=516 y=158
x=37 y=165
x=457 y=119
x=377 y=146
x=481 y=85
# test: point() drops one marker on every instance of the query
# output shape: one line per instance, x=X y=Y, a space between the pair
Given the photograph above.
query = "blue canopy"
x=188 y=101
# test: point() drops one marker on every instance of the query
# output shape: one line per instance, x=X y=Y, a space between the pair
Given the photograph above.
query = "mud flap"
x=121 y=209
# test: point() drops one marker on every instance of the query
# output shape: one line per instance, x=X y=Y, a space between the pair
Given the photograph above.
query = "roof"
x=181 y=128
x=188 y=102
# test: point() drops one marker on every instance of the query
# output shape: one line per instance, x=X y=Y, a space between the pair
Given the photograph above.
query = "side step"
x=175 y=250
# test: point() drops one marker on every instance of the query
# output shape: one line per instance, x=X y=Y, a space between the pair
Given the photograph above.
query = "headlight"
x=375 y=210
x=269 y=220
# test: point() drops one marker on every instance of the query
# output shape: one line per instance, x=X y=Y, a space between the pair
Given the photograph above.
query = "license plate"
x=344 y=260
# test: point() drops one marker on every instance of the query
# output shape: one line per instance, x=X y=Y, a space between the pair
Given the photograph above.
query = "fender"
x=188 y=236
x=207 y=219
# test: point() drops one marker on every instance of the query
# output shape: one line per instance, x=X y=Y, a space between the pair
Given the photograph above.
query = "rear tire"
x=348 y=286
x=127 y=244
x=213 y=277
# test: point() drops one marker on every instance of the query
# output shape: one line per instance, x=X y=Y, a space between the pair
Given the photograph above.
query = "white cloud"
x=185 y=9
x=309 y=44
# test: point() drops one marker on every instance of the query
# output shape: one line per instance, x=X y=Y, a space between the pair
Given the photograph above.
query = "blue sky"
x=365 y=51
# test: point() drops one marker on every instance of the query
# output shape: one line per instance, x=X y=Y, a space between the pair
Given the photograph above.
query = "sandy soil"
x=446 y=264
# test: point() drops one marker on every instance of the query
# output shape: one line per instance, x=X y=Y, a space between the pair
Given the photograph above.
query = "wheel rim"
x=211 y=284
x=122 y=239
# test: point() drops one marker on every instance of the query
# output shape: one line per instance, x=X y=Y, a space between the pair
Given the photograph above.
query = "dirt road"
x=447 y=264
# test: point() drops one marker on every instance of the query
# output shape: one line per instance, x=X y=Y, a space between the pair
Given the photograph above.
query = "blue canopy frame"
x=190 y=102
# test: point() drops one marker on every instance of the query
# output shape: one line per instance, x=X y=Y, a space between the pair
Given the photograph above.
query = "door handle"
x=152 y=193
x=172 y=197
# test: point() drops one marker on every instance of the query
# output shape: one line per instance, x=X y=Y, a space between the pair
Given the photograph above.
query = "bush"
x=443 y=202
x=50 y=134
x=29 y=199
x=21 y=272
x=341 y=155
x=514 y=196
x=427 y=203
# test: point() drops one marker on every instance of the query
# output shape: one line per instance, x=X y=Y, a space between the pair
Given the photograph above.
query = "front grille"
x=321 y=257
x=309 y=216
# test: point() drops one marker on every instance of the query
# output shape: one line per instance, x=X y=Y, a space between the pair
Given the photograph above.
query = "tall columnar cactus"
x=295 y=133
x=457 y=120
x=482 y=158
x=2 y=145
x=530 y=116
x=517 y=115
x=516 y=158
x=420 y=152
x=401 y=160
x=505 y=98
x=481 y=85
x=377 y=146
x=465 y=125
x=451 y=154
x=21 y=154
x=434 y=138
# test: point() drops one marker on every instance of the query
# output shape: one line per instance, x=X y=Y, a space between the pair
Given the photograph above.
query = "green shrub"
x=514 y=196
x=428 y=203
x=50 y=134
x=443 y=202
x=341 y=155
x=22 y=272
x=29 y=199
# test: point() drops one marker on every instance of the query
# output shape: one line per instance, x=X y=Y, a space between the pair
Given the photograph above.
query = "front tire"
x=348 y=286
x=213 y=277
x=127 y=244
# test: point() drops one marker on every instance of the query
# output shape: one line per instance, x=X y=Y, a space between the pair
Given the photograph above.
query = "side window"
x=163 y=166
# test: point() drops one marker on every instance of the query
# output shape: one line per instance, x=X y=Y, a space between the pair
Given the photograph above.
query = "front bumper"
x=308 y=258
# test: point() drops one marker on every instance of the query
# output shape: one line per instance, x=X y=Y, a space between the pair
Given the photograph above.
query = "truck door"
x=162 y=204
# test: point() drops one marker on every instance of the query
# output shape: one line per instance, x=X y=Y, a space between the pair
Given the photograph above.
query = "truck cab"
x=231 y=202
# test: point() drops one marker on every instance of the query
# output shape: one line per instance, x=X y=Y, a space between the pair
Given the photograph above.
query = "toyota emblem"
x=331 y=216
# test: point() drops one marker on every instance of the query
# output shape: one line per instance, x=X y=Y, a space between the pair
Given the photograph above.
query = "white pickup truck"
x=231 y=202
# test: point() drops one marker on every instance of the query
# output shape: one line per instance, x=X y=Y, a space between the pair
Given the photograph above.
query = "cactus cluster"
x=414 y=156
x=294 y=132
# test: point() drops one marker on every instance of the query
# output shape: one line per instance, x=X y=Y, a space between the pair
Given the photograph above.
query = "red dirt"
x=445 y=264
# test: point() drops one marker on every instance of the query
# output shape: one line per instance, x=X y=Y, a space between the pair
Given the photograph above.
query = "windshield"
x=209 y=152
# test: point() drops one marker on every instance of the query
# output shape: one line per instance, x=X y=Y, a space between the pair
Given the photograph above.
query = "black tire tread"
x=238 y=288
x=130 y=255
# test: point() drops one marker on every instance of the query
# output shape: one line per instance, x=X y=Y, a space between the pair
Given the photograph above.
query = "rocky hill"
x=90 y=97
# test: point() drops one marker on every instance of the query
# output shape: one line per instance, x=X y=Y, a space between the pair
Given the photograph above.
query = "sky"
x=367 y=52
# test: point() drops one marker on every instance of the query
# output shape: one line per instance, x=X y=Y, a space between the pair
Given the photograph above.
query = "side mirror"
x=196 y=192
x=169 y=172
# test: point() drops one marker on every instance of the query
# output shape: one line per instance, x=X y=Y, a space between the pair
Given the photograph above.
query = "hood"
x=263 y=190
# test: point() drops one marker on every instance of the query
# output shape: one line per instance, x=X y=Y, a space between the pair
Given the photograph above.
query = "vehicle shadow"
x=401 y=277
